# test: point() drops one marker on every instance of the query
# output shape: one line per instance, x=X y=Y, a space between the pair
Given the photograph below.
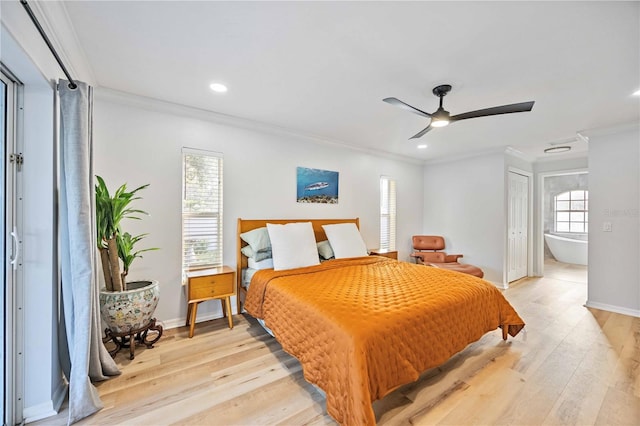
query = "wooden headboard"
x=245 y=225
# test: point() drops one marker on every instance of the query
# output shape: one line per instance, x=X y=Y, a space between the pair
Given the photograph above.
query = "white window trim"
x=388 y=213
x=585 y=222
x=216 y=217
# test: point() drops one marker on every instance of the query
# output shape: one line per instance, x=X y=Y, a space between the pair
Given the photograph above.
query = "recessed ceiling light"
x=422 y=146
x=557 y=149
x=218 y=87
x=636 y=93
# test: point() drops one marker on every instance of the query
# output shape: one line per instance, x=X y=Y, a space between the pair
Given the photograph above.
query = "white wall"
x=614 y=196
x=139 y=141
x=464 y=202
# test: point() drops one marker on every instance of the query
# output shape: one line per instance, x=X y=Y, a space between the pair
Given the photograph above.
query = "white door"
x=518 y=219
x=3 y=226
x=10 y=162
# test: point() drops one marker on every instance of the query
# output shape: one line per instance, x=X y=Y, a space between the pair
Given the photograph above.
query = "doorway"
x=565 y=218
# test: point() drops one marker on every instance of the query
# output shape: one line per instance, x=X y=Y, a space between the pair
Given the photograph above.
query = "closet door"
x=518 y=237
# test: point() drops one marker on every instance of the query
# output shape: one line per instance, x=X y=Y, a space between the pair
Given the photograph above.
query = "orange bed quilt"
x=363 y=327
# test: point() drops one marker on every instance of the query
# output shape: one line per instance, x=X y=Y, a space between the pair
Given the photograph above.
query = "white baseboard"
x=501 y=286
x=49 y=408
x=180 y=322
x=39 y=412
x=612 y=308
x=60 y=394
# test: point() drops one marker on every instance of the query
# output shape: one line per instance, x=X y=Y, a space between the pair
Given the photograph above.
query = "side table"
x=208 y=284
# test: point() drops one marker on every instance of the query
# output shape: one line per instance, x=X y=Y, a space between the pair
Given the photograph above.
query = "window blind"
x=201 y=209
x=387 y=213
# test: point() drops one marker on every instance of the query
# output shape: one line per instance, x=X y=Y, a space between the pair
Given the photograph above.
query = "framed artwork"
x=316 y=186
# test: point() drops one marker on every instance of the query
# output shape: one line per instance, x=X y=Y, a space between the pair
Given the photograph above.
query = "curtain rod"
x=72 y=84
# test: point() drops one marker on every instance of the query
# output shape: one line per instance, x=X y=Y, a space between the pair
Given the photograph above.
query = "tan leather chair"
x=427 y=253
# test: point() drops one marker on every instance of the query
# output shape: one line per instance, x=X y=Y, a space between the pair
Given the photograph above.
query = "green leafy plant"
x=126 y=251
x=114 y=244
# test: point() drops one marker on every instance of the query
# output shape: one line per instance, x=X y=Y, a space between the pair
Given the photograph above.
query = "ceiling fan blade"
x=399 y=103
x=422 y=132
x=504 y=109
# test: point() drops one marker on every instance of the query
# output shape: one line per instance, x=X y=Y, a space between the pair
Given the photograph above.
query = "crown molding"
x=608 y=130
x=509 y=150
x=565 y=156
x=513 y=152
x=465 y=156
x=21 y=32
x=156 y=105
x=55 y=21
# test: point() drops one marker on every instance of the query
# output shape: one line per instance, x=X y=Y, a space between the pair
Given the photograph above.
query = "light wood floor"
x=573 y=366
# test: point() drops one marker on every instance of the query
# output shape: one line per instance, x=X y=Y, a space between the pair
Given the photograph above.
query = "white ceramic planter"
x=127 y=311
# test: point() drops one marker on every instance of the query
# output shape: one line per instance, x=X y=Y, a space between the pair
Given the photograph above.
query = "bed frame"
x=245 y=225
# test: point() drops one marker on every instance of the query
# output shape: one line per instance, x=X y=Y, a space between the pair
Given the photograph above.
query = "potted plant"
x=126 y=307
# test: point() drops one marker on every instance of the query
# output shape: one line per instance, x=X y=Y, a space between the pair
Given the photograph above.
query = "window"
x=201 y=209
x=387 y=213
x=571 y=211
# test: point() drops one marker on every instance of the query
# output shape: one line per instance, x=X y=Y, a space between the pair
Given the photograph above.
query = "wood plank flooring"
x=573 y=366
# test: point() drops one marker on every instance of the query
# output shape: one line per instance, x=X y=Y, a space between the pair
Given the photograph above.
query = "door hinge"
x=18 y=159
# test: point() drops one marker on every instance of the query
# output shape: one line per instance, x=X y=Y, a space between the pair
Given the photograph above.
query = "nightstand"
x=208 y=284
x=391 y=254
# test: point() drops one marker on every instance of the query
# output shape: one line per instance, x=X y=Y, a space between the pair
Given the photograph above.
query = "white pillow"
x=260 y=264
x=345 y=240
x=257 y=238
x=293 y=245
x=256 y=255
x=324 y=249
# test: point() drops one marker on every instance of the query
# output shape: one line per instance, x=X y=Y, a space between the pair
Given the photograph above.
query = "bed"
x=361 y=327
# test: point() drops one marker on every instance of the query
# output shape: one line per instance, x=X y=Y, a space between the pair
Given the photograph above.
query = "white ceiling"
x=323 y=68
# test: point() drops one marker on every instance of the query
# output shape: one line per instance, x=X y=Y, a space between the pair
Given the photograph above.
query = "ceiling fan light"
x=440 y=118
x=439 y=123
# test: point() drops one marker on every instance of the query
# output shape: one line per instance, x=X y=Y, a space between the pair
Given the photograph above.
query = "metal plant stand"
x=132 y=338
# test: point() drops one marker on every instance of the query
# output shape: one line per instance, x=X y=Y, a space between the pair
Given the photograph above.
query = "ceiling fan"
x=441 y=117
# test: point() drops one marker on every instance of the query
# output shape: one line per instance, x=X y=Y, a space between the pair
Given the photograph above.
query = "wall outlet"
x=606 y=226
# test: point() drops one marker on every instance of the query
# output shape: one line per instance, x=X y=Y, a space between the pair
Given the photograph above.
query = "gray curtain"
x=84 y=357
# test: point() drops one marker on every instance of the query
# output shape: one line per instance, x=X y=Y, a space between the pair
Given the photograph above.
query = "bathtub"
x=567 y=250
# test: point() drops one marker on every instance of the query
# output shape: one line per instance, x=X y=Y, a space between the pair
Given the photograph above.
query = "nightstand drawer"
x=209 y=286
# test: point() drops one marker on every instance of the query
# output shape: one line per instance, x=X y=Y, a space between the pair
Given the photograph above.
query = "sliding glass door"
x=10 y=163
x=3 y=226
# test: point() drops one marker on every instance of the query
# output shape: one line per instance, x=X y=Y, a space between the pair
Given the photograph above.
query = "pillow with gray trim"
x=257 y=238
x=256 y=256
